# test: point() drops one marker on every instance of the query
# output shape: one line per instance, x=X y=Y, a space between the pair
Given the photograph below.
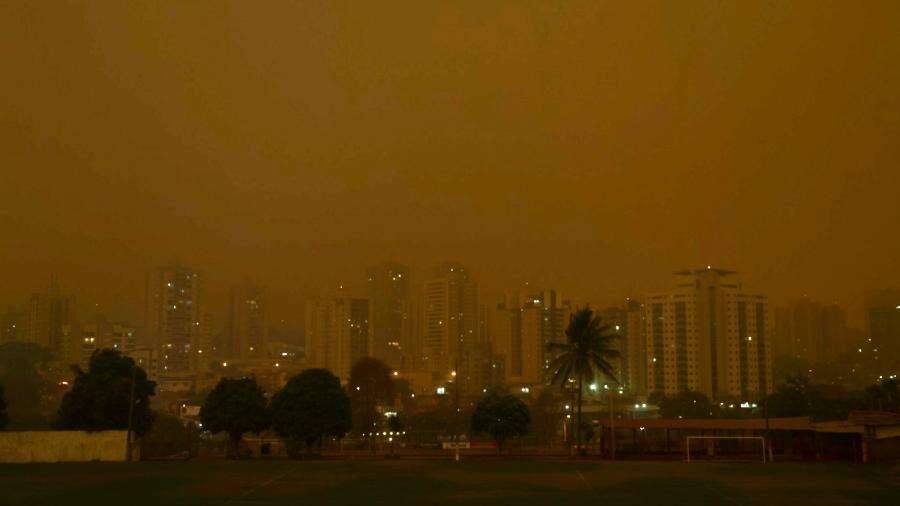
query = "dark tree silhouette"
x=235 y=406
x=884 y=396
x=310 y=407
x=27 y=391
x=99 y=399
x=502 y=416
x=687 y=404
x=546 y=415
x=370 y=385
x=585 y=354
x=170 y=437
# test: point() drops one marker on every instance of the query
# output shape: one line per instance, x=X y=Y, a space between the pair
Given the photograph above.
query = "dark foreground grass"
x=523 y=483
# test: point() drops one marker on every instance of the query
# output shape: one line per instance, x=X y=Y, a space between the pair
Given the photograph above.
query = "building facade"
x=627 y=323
x=453 y=348
x=12 y=326
x=388 y=287
x=49 y=321
x=337 y=332
x=105 y=335
x=710 y=336
x=247 y=331
x=524 y=322
x=809 y=330
x=172 y=317
x=883 y=327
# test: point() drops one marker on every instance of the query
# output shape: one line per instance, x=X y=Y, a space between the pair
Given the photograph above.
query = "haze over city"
x=592 y=147
x=481 y=251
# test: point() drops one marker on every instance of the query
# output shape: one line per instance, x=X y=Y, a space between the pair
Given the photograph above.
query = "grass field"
x=523 y=483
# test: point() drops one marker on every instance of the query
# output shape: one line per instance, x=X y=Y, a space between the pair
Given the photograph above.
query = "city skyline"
x=287 y=306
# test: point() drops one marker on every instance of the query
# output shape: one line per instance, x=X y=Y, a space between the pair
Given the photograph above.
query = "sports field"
x=523 y=483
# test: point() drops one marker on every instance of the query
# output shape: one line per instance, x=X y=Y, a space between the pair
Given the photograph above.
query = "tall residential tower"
x=709 y=335
x=389 y=312
x=172 y=317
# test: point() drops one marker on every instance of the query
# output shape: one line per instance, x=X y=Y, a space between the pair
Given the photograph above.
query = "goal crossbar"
x=687 y=446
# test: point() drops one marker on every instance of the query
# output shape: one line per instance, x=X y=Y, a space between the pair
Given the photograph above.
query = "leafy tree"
x=311 y=406
x=502 y=416
x=799 y=397
x=99 y=398
x=235 y=406
x=687 y=404
x=433 y=419
x=791 y=398
x=370 y=385
x=27 y=390
x=170 y=436
x=4 y=419
x=546 y=414
x=585 y=354
x=884 y=396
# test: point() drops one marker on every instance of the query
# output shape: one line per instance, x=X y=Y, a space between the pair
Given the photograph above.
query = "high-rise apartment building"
x=809 y=330
x=337 y=331
x=453 y=348
x=627 y=323
x=709 y=335
x=49 y=321
x=247 y=333
x=883 y=326
x=172 y=317
x=12 y=326
x=389 y=312
x=521 y=327
x=105 y=335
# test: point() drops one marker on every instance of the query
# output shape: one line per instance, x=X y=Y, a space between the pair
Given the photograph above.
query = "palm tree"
x=586 y=352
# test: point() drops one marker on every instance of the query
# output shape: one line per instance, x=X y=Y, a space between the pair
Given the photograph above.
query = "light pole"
x=612 y=427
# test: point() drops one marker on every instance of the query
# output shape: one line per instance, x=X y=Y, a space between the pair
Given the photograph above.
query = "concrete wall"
x=62 y=446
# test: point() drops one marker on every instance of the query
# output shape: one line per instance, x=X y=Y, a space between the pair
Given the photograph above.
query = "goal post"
x=713 y=439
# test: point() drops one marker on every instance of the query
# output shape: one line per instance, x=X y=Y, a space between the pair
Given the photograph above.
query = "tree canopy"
x=99 y=398
x=546 y=415
x=687 y=404
x=884 y=396
x=311 y=406
x=27 y=390
x=235 y=406
x=502 y=416
x=370 y=384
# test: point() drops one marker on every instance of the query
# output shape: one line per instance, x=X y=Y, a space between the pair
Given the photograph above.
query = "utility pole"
x=612 y=427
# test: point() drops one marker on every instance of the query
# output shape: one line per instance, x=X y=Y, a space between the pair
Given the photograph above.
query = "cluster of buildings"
x=706 y=333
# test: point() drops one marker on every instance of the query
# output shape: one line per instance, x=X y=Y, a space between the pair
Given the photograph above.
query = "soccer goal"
x=725 y=448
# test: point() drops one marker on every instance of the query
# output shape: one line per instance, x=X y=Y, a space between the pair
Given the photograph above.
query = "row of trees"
x=797 y=396
x=313 y=406
x=310 y=407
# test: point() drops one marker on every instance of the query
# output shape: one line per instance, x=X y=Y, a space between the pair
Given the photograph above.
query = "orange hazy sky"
x=591 y=146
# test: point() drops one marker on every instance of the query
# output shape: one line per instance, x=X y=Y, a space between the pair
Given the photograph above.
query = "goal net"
x=725 y=448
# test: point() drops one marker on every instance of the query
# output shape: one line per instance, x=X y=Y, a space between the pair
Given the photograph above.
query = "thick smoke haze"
x=591 y=146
